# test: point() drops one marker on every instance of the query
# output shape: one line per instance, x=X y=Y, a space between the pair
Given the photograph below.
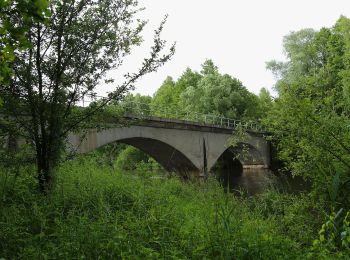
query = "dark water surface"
x=255 y=181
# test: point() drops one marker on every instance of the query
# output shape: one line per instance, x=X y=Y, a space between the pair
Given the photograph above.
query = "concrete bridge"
x=180 y=145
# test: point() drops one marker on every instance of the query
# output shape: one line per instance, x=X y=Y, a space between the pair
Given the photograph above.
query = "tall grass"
x=95 y=212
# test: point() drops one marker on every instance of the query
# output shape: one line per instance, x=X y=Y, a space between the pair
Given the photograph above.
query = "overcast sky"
x=238 y=35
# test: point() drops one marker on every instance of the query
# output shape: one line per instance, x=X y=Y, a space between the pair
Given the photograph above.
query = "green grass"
x=97 y=213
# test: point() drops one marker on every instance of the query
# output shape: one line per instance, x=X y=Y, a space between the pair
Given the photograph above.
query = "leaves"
x=309 y=119
x=334 y=188
x=69 y=56
x=16 y=18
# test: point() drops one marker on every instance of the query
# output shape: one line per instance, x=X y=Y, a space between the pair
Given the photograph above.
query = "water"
x=256 y=181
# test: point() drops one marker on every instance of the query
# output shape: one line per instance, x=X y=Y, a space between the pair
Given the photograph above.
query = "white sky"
x=238 y=35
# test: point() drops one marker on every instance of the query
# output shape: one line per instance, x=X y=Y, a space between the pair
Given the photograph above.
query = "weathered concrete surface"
x=177 y=145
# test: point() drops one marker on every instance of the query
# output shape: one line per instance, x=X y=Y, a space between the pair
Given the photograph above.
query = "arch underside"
x=170 y=158
x=246 y=154
x=233 y=159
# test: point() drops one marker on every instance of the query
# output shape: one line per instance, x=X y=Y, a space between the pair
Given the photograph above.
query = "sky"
x=240 y=36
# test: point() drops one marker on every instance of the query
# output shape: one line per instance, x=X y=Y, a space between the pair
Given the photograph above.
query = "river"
x=255 y=181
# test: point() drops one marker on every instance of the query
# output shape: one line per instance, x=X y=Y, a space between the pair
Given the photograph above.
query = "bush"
x=96 y=212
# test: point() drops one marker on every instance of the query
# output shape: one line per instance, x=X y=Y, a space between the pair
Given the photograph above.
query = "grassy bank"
x=95 y=212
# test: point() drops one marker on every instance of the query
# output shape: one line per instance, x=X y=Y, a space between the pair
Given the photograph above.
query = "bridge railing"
x=143 y=110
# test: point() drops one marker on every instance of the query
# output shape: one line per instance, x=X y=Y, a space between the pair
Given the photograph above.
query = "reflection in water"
x=229 y=171
x=255 y=181
x=234 y=178
x=252 y=181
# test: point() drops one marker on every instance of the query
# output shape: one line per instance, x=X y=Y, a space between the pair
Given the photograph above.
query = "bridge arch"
x=167 y=156
x=229 y=166
x=167 y=149
x=243 y=153
x=247 y=154
x=176 y=146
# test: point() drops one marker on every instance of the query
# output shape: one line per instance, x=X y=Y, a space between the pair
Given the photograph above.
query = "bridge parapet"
x=144 y=110
x=171 y=123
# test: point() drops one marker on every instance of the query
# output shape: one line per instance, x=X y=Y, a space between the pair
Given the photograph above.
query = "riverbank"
x=96 y=212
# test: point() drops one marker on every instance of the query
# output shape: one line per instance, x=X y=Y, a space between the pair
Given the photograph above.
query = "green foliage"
x=69 y=56
x=129 y=158
x=135 y=104
x=265 y=103
x=334 y=237
x=238 y=140
x=219 y=94
x=95 y=212
x=164 y=97
x=16 y=18
x=298 y=215
x=310 y=118
x=208 y=92
x=334 y=189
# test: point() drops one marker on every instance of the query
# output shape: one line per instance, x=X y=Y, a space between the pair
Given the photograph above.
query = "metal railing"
x=144 y=110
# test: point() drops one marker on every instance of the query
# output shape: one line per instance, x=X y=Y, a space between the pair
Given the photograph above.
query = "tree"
x=310 y=117
x=169 y=94
x=188 y=79
x=265 y=102
x=207 y=92
x=164 y=97
x=129 y=158
x=13 y=40
x=133 y=104
x=13 y=35
x=219 y=94
x=70 y=56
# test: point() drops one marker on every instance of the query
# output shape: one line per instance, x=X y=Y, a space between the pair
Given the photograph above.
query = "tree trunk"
x=47 y=160
x=44 y=179
x=44 y=171
x=12 y=144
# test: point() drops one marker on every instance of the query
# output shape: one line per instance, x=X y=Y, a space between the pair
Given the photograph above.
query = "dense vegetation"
x=204 y=92
x=97 y=212
x=118 y=202
x=67 y=56
x=310 y=117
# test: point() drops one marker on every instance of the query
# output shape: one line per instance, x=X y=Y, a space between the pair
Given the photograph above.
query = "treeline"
x=310 y=124
x=310 y=119
x=204 y=92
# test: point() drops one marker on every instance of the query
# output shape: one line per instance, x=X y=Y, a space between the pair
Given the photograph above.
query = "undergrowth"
x=95 y=212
